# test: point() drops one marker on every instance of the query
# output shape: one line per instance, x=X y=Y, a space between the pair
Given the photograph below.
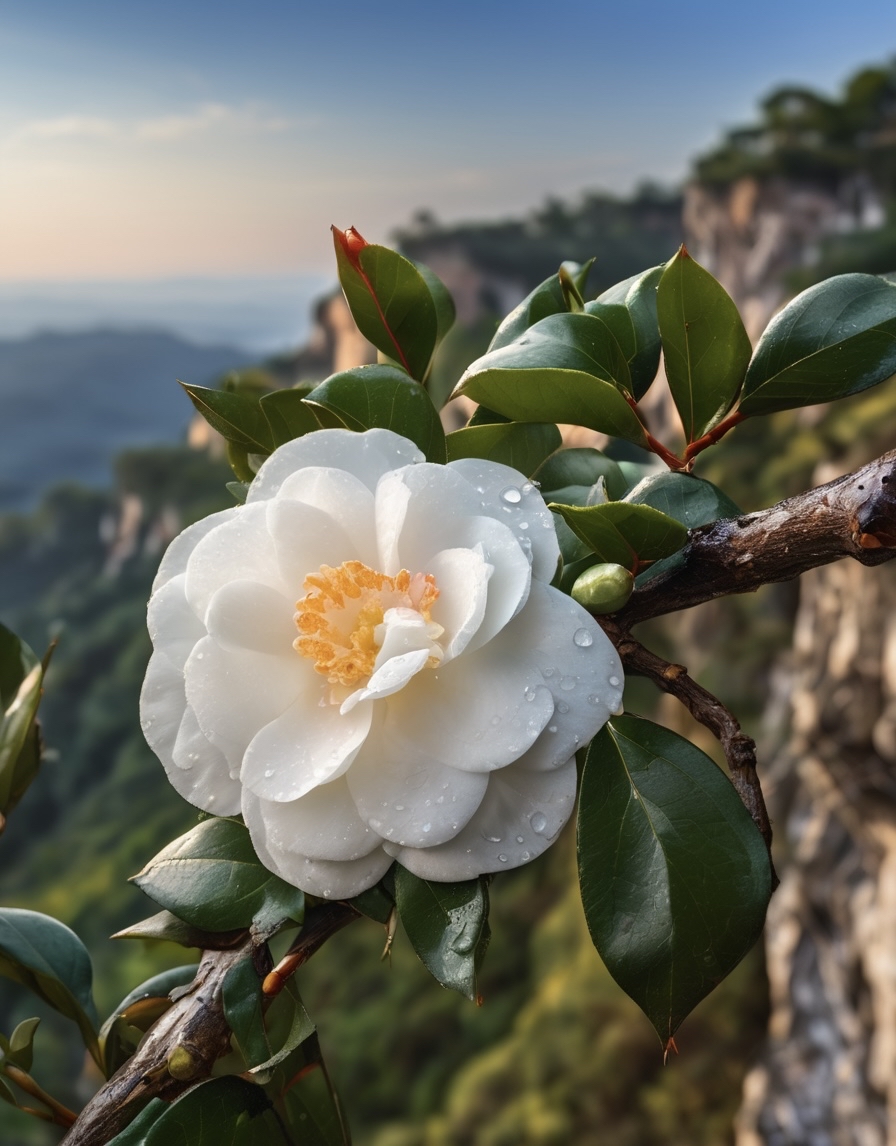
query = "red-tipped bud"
x=352 y=243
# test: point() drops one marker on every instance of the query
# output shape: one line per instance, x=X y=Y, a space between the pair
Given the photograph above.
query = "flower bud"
x=603 y=588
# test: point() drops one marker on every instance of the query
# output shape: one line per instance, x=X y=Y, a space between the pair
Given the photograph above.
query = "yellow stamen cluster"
x=338 y=618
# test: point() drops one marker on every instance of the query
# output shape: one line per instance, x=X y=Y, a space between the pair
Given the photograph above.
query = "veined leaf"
x=638 y=295
x=570 y=476
x=384 y=396
x=624 y=534
x=675 y=876
x=221 y=1112
x=288 y=415
x=237 y=417
x=447 y=924
x=705 y=345
x=522 y=445
x=212 y=879
x=834 y=339
x=559 y=294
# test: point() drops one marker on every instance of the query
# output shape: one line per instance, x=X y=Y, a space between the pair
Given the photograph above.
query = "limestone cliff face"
x=752 y=232
x=826 y=1074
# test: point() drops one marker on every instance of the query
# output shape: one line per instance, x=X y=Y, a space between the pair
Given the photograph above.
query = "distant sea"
x=259 y=314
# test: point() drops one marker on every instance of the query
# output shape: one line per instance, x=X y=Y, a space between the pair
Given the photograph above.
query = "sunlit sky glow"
x=151 y=140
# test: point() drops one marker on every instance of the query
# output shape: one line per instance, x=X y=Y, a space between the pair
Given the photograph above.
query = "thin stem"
x=673 y=462
x=708 y=710
x=709 y=439
x=59 y=1114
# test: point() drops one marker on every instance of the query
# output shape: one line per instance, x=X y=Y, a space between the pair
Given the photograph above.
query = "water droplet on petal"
x=529 y=694
x=548 y=673
x=552 y=728
x=592 y=699
x=199 y=656
x=528 y=487
x=511 y=495
x=519 y=839
x=399 y=807
x=268 y=773
x=427 y=827
x=492 y=839
x=614 y=681
x=523 y=524
x=502 y=858
x=568 y=683
x=539 y=822
x=561 y=707
x=582 y=638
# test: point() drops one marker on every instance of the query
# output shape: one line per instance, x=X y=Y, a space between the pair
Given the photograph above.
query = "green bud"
x=603 y=588
x=181 y=1064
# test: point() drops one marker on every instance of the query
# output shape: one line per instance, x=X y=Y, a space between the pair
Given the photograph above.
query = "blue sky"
x=151 y=140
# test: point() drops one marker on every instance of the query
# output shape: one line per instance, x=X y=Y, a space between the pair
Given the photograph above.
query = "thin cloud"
x=251 y=119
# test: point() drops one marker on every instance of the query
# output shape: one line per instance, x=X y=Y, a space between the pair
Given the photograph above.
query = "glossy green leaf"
x=308 y=1102
x=21 y=1044
x=7 y=1094
x=571 y=475
x=553 y=296
x=447 y=924
x=390 y=301
x=45 y=956
x=624 y=534
x=835 y=339
x=705 y=345
x=446 y=312
x=675 y=876
x=212 y=879
x=375 y=903
x=561 y=343
x=288 y=415
x=638 y=295
x=221 y=1112
x=122 y=1031
x=237 y=417
x=165 y=927
x=522 y=445
x=556 y=396
x=242 y=999
x=384 y=396
x=21 y=677
x=690 y=500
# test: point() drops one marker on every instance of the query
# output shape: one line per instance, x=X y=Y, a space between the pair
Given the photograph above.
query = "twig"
x=59 y=1114
x=708 y=710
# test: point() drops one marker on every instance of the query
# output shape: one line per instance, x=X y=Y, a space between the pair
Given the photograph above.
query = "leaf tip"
x=670 y=1046
x=351 y=241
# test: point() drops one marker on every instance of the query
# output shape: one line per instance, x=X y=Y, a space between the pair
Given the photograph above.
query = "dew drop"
x=399 y=807
x=568 y=683
x=592 y=699
x=268 y=773
x=427 y=827
x=548 y=673
x=492 y=839
x=511 y=495
x=526 y=856
x=539 y=822
x=614 y=681
x=529 y=694
x=199 y=656
x=523 y=524
x=552 y=728
x=562 y=706
x=427 y=803
x=519 y=839
x=582 y=638
x=502 y=858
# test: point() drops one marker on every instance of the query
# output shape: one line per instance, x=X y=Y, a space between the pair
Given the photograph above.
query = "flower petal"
x=324 y=823
x=240 y=548
x=339 y=879
x=462 y=577
x=307 y=745
x=411 y=800
x=235 y=693
x=178 y=552
x=517 y=504
x=173 y=626
x=305 y=538
x=578 y=664
x=519 y=817
x=249 y=615
x=368 y=456
x=477 y=713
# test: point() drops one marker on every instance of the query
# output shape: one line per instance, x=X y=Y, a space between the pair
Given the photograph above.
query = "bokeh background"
x=168 y=176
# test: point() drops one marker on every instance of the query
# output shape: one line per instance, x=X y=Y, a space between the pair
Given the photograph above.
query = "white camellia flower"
x=367 y=661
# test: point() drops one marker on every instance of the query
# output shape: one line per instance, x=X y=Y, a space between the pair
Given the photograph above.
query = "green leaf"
x=390 y=301
x=638 y=295
x=375 y=903
x=571 y=475
x=122 y=1031
x=45 y=956
x=522 y=445
x=308 y=1101
x=447 y=924
x=237 y=417
x=384 y=396
x=446 y=312
x=705 y=345
x=7 y=1094
x=553 y=296
x=221 y=1112
x=675 y=876
x=21 y=677
x=165 y=927
x=21 y=1044
x=243 y=1001
x=288 y=415
x=212 y=879
x=556 y=396
x=561 y=343
x=690 y=500
x=624 y=534
x=835 y=339
x=288 y=1027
